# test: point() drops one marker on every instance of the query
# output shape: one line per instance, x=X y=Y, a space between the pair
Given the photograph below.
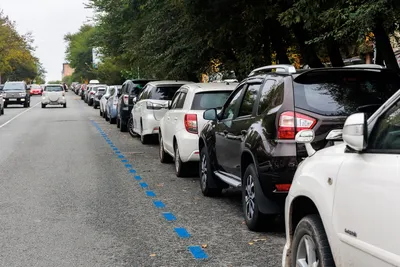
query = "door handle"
x=175 y=119
x=243 y=132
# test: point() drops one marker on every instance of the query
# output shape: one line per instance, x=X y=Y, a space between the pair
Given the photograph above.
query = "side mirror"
x=134 y=100
x=306 y=137
x=169 y=104
x=210 y=114
x=355 y=132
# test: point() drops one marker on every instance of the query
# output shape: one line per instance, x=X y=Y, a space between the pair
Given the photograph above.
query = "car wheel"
x=5 y=105
x=253 y=217
x=43 y=105
x=206 y=174
x=26 y=105
x=101 y=113
x=181 y=168
x=130 y=127
x=145 y=139
x=118 y=122
x=65 y=105
x=2 y=111
x=310 y=244
x=164 y=156
x=123 y=126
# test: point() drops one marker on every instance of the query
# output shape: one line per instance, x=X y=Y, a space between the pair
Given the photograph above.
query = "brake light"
x=191 y=123
x=92 y=93
x=282 y=187
x=126 y=98
x=287 y=127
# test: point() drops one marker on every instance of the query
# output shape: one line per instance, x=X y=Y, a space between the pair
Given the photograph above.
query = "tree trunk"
x=384 y=47
x=277 y=42
x=308 y=51
x=334 y=53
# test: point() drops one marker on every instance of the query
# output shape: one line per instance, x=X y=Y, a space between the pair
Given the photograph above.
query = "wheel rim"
x=130 y=126
x=203 y=172
x=250 y=197
x=161 y=148
x=306 y=255
x=177 y=160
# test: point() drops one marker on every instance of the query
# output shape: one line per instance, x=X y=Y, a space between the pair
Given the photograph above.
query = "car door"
x=224 y=146
x=365 y=216
x=139 y=106
x=168 y=129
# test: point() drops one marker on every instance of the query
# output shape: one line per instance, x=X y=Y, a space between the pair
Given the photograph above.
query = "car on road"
x=35 y=89
x=16 y=93
x=180 y=126
x=1 y=87
x=131 y=89
x=98 y=91
x=1 y=103
x=251 y=143
x=110 y=113
x=151 y=106
x=54 y=94
x=339 y=210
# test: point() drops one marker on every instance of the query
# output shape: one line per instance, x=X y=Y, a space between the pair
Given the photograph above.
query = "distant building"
x=67 y=70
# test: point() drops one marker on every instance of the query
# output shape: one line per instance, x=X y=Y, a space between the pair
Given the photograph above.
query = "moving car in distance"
x=339 y=210
x=54 y=94
x=35 y=89
x=180 y=126
x=15 y=93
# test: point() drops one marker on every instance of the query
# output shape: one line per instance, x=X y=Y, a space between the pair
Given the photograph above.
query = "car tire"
x=5 y=105
x=206 y=174
x=130 y=127
x=90 y=103
x=113 y=120
x=164 y=156
x=26 y=105
x=181 y=168
x=253 y=217
x=43 y=106
x=65 y=105
x=311 y=230
x=101 y=113
x=123 y=127
x=145 y=139
x=118 y=122
x=2 y=111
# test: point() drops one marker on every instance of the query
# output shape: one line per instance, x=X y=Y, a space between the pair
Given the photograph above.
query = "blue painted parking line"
x=169 y=216
x=138 y=178
x=128 y=166
x=182 y=232
x=118 y=152
x=121 y=156
x=132 y=171
x=159 y=204
x=150 y=194
x=144 y=185
x=124 y=160
x=198 y=253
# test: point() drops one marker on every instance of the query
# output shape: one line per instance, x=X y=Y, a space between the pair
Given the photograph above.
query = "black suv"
x=130 y=91
x=16 y=93
x=251 y=142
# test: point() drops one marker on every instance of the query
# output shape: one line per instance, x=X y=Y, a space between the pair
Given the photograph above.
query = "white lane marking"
x=19 y=114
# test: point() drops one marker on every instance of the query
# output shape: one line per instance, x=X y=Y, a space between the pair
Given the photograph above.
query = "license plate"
x=12 y=99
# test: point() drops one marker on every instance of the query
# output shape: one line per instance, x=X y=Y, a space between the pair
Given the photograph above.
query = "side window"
x=386 y=132
x=181 y=100
x=175 y=100
x=249 y=99
x=232 y=104
x=123 y=90
x=271 y=95
x=129 y=89
x=144 y=94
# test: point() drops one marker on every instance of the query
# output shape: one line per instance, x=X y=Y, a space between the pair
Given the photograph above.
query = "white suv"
x=180 y=126
x=54 y=94
x=341 y=208
x=151 y=107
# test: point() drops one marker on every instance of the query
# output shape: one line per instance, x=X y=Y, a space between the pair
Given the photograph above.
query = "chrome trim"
x=286 y=69
x=228 y=178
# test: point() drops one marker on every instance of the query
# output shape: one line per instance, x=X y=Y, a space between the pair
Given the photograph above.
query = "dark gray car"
x=15 y=93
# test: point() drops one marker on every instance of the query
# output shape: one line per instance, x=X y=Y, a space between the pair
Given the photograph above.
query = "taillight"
x=191 y=123
x=92 y=93
x=287 y=127
x=282 y=187
x=126 y=99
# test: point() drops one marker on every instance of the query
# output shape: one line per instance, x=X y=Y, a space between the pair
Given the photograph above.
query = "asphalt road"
x=70 y=195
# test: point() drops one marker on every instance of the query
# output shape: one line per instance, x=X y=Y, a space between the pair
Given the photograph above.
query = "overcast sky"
x=49 y=21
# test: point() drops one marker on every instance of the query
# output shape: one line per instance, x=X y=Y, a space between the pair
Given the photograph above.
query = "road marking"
x=144 y=185
x=150 y=194
x=198 y=253
x=128 y=166
x=132 y=171
x=138 y=178
x=159 y=204
x=182 y=232
x=124 y=160
x=169 y=216
x=10 y=120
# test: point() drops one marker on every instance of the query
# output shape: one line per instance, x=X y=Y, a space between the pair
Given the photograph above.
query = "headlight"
x=22 y=94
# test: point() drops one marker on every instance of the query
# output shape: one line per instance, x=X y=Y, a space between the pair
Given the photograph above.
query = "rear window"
x=163 y=93
x=206 y=100
x=53 y=88
x=35 y=87
x=341 y=93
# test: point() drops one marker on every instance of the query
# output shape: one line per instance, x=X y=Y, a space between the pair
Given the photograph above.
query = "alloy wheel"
x=203 y=172
x=177 y=160
x=306 y=255
x=250 y=197
x=161 y=148
x=130 y=127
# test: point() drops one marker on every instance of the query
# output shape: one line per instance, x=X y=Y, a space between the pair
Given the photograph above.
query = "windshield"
x=342 y=93
x=206 y=100
x=164 y=93
x=14 y=87
x=35 y=86
x=53 y=89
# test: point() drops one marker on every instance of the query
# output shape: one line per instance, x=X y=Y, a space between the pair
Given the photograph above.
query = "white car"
x=150 y=108
x=341 y=208
x=180 y=126
x=54 y=94
x=104 y=98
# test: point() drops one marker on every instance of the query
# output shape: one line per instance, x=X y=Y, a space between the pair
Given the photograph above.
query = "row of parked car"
x=281 y=135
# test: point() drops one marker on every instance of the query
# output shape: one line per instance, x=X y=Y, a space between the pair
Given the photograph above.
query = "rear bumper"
x=188 y=144
x=150 y=125
x=58 y=102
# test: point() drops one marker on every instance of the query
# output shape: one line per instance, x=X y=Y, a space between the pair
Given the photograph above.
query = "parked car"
x=151 y=106
x=82 y=90
x=35 y=89
x=339 y=208
x=112 y=105
x=1 y=87
x=54 y=94
x=98 y=91
x=179 y=127
x=1 y=103
x=16 y=93
x=103 y=100
x=130 y=91
x=251 y=142
x=87 y=93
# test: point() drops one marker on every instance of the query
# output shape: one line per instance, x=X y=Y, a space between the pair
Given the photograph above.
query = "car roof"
x=16 y=82
x=54 y=84
x=212 y=86
x=158 y=83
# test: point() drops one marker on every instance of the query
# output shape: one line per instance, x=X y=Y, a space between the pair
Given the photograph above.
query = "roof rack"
x=366 y=66
x=286 y=69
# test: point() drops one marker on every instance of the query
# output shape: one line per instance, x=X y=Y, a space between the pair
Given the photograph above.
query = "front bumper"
x=287 y=250
x=11 y=101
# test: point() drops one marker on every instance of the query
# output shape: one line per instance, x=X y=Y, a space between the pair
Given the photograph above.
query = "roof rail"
x=286 y=69
x=366 y=66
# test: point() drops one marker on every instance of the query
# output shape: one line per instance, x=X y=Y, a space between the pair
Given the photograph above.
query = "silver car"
x=54 y=94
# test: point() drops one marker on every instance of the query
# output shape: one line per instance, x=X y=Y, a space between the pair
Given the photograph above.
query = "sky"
x=49 y=21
